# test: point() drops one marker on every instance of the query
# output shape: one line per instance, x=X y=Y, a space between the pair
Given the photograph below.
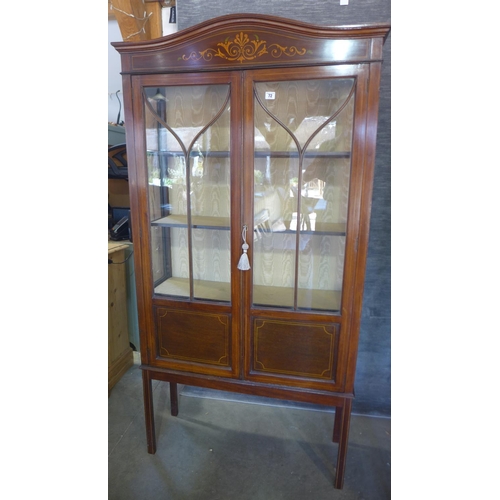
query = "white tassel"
x=244 y=264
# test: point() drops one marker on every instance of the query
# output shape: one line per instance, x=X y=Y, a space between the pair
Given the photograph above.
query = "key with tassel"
x=244 y=264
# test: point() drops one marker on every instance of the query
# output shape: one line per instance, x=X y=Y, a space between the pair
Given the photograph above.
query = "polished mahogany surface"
x=251 y=144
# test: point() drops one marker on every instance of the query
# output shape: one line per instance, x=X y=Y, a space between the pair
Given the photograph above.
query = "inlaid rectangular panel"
x=295 y=349
x=194 y=336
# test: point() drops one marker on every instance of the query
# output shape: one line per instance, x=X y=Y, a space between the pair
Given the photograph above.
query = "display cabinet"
x=251 y=143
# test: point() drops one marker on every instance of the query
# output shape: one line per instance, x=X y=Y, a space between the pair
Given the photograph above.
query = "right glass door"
x=302 y=169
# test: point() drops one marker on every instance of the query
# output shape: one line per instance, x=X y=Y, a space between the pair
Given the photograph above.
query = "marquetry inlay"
x=242 y=48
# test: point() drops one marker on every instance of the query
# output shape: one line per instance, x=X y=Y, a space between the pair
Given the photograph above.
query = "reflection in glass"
x=187 y=139
x=302 y=158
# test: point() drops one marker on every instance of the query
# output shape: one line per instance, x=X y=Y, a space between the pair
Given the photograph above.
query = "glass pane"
x=303 y=135
x=187 y=138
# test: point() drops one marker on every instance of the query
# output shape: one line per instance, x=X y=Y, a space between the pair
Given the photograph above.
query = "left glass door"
x=187 y=138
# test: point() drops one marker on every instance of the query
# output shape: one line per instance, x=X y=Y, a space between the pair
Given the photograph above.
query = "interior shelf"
x=205 y=222
x=198 y=222
x=257 y=154
x=211 y=290
x=262 y=295
x=283 y=297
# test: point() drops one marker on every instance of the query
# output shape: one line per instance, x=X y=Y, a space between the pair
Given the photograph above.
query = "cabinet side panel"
x=194 y=337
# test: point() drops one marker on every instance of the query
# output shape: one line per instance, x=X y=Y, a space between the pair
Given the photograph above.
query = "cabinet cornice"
x=252 y=41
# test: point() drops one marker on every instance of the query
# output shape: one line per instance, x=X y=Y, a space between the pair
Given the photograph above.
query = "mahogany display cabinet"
x=251 y=145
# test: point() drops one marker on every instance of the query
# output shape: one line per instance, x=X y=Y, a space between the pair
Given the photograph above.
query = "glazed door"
x=301 y=155
x=190 y=189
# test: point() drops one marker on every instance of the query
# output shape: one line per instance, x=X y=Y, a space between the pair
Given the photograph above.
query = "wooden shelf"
x=198 y=222
x=257 y=154
x=205 y=222
x=270 y=296
x=210 y=290
x=295 y=154
x=324 y=300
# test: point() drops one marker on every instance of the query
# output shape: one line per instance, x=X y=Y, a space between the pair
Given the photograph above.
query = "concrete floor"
x=237 y=450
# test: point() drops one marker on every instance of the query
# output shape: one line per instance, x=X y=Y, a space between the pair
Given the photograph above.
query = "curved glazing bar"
x=302 y=145
x=187 y=137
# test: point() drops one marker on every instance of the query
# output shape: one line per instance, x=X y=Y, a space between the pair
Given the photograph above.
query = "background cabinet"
x=252 y=138
x=120 y=355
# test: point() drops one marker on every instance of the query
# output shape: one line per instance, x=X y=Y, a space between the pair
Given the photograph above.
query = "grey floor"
x=235 y=450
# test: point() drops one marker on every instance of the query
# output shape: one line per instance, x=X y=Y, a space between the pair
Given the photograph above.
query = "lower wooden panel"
x=196 y=337
x=294 y=349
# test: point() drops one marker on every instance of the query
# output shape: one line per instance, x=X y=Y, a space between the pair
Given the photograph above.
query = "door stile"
x=237 y=188
x=139 y=211
x=247 y=212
